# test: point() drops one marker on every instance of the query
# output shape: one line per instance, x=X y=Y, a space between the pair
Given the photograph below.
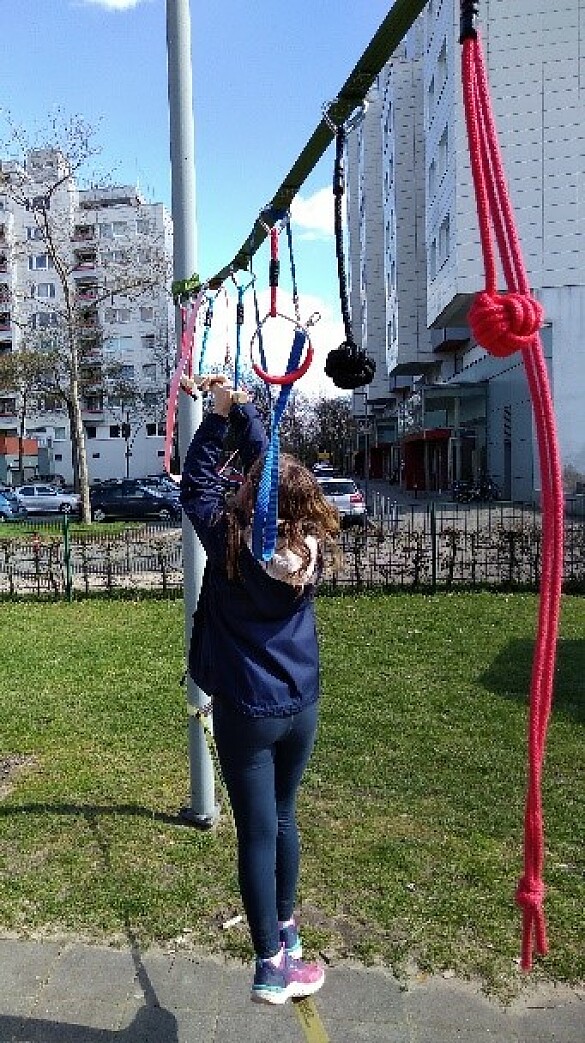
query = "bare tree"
x=334 y=427
x=65 y=332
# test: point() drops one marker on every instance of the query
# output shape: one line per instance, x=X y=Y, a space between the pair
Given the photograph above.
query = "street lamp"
x=364 y=430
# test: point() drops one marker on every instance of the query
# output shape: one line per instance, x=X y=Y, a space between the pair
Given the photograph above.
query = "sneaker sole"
x=296 y=990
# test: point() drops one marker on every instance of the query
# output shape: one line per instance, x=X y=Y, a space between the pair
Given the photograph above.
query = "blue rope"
x=265 y=526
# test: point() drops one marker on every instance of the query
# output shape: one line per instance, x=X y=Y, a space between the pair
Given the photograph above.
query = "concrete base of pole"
x=191 y=818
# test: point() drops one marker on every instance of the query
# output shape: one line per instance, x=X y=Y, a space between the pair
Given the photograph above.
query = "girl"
x=254 y=651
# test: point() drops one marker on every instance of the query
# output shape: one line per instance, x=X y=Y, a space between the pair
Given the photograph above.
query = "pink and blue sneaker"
x=293 y=978
x=291 y=939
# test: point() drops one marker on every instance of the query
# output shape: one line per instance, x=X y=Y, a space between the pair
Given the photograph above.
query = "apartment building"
x=115 y=250
x=461 y=411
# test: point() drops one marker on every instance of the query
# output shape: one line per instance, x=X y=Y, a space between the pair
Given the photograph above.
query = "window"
x=38 y=262
x=46 y=290
x=116 y=256
x=113 y=229
x=58 y=457
x=155 y=429
x=39 y=203
x=127 y=372
x=60 y=434
x=146 y=314
x=118 y=345
x=144 y=226
x=432 y=177
x=443 y=151
x=444 y=239
x=42 y=320
x=114 y=430
x=433 y=259
x=442 y=66
x=431 y=97
x=148 y=342
x=149 y=371
x=117 y=314
x=32 y=232
x=95 y=456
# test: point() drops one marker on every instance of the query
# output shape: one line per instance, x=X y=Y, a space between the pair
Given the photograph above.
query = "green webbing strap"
x=182 y=289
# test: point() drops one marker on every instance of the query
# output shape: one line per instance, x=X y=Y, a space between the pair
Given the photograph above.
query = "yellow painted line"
x=311 y=1023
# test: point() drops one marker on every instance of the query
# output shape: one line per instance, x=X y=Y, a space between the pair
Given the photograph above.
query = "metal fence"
x=428 y=547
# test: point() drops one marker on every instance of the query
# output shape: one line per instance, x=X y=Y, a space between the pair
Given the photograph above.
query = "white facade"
x=535 y=61
x=108 y=237
x=409 y=347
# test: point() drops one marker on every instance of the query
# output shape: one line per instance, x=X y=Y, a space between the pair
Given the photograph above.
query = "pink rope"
x=503 y=323
x=185 y=363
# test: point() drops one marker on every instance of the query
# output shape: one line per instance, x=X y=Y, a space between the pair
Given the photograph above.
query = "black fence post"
x=433 y=520
x=67 y=558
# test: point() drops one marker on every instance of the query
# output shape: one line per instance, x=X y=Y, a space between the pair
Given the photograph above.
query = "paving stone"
x=179 y=980
x=24 y=968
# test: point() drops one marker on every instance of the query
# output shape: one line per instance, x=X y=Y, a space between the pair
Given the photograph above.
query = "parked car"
x=325 y=471
x=47 y=499
x=10 y=509
x=129 y=499
x=344 y=494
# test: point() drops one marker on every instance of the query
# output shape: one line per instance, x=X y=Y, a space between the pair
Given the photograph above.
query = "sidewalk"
x=75 y=993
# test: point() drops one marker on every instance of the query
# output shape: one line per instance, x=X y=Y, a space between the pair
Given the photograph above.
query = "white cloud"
x=277 y=337
x=314 y=215
x=115 y=5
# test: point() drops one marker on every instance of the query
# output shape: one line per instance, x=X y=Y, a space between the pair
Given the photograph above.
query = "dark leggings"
x=263 y=760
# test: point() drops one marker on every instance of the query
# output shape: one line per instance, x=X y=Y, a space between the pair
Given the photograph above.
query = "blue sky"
x=261 y=72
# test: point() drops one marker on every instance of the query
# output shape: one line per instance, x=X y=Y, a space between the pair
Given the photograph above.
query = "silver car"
x=45 y=499
x=344 y=494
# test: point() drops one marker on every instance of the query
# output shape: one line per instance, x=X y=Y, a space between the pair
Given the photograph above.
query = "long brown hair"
x=302 y=511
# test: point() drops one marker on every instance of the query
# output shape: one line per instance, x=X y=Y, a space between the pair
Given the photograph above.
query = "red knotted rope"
x=504 y=323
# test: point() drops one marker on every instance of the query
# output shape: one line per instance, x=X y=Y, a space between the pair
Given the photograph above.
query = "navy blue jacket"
x=254 y=639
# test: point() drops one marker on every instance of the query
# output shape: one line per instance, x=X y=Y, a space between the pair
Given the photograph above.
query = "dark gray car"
x=130 y=499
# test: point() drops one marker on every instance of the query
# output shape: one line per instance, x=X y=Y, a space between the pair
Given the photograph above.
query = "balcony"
x=86 y=291
x=8 y=407
x=85 y=260
x=84 y=233
x=88 y=321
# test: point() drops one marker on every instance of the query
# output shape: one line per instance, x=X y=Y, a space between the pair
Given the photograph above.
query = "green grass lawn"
x=411 y=811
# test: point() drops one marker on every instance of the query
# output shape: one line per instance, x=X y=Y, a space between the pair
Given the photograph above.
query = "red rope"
x=503 y=323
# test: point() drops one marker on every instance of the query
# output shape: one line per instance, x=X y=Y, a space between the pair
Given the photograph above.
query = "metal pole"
x=202 y=811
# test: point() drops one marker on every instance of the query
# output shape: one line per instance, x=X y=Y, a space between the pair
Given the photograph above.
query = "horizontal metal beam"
x=396 y=24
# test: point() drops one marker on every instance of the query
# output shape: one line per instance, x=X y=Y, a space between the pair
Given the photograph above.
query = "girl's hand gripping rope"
x=213 y=382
